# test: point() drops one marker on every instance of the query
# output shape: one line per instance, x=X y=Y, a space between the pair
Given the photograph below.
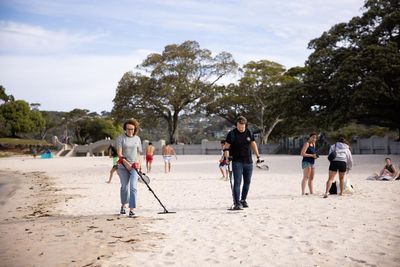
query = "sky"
x=66 y=54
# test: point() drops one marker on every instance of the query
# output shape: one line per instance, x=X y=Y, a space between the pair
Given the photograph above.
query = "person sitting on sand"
x=389 y=171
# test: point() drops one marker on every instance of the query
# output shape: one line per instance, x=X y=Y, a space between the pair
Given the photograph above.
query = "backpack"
x=334 y=189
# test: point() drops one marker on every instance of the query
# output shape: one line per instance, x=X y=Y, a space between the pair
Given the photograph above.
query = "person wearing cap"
x=240 y=143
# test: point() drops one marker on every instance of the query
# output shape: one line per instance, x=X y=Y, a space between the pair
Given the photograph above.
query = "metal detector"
x=145 y=179
x=141 y=174
x=261 y=165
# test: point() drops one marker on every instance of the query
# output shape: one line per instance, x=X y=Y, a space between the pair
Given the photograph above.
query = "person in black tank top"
x=389 y=170
x=309 y=155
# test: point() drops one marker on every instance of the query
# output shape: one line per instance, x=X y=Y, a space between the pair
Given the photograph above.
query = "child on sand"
x=222 y=163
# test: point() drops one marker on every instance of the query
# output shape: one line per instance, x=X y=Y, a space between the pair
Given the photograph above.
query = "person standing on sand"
x=309 y=155
x=112 y=152
x=239 y=144
x=129 y=147
x=342 y=163
x=149 y=156
x=167 y=153
x=223 y=163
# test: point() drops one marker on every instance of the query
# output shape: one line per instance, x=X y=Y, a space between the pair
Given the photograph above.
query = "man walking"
x=239 y=144
x=167 y=153
x=149 y=156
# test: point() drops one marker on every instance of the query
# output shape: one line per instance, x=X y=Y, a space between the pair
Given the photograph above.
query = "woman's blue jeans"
x=128 y=186
x=241 y=170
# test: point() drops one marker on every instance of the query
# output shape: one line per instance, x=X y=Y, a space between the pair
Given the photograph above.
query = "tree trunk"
x=266 y=132
x=172 y=121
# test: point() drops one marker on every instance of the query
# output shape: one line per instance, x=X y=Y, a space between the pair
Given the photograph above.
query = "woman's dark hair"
x=134 y=123
x=343 y=140
x=313 y=133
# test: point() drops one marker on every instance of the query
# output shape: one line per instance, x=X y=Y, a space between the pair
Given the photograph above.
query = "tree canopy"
x=181 y=79
x=354 y=71
x=19 y=118
x=264 y=96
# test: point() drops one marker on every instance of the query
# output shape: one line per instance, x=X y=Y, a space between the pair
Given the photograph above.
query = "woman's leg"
x=133 y=180
x=311 y=181
x=124 y=178
x=306 y=174
x=341 y=180
x=329 y=182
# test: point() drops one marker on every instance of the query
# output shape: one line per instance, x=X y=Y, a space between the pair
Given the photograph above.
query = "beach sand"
x=60 y=212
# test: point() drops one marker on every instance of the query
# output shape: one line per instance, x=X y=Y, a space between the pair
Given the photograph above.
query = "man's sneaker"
x=122 y=211
x=236 y=207
x=131 y=214
x=244 y=203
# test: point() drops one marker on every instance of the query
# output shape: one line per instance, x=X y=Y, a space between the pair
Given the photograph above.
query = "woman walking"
x=309 y=155
x=129 y=147
x=343 y=163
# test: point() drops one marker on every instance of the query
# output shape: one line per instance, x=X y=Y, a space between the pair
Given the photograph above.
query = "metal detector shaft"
x=151 y=190
x=230 y=180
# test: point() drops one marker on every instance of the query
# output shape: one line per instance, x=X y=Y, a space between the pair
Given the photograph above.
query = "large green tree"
x=265 y=95
x=353 y=73
x=19 y=118
x=179 y=80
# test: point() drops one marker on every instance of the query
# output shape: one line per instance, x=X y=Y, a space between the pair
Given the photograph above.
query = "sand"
x=60 y=212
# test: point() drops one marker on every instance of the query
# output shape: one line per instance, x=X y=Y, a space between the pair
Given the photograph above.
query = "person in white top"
x=343 y=162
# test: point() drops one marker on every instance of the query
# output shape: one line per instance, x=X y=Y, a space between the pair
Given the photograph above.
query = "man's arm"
x=255 y=149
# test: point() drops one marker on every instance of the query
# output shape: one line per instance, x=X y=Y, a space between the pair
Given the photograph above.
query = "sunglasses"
x=130 y=129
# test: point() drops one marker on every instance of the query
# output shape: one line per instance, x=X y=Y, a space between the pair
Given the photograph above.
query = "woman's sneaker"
x=122 y=211
x=131 y=214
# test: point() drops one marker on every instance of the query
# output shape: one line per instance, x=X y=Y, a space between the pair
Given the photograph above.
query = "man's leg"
x=247 y=173
x=237 y=168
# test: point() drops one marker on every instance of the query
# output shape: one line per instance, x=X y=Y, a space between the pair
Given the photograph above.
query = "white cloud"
x=65 y=83
x=25 y=38
x=50 y=64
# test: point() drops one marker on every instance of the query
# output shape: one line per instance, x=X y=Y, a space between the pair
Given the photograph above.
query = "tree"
x=353 y=74
x=89 y=130
x=263 y=96
x=181 y=79
x=19 y=118
x=4 y=97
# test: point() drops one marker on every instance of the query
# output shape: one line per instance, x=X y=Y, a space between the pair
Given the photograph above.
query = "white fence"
x=376 y=145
